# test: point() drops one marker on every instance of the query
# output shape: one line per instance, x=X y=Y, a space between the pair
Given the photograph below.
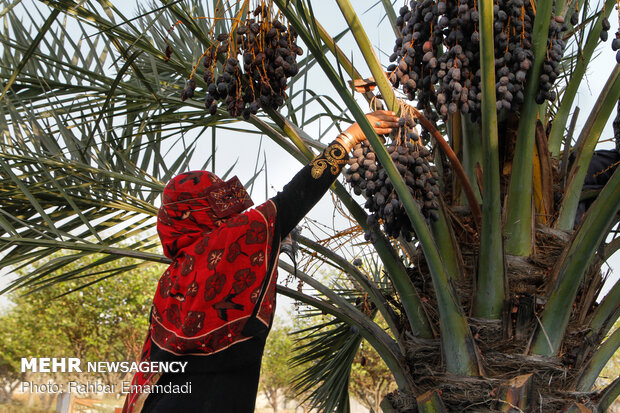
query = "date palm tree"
x=491 y=307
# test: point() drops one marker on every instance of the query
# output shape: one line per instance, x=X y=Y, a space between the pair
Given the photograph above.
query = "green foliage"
x=104 y=322
x=277 y=375
x=612 y=368
x=13 y=347
x=370 y=378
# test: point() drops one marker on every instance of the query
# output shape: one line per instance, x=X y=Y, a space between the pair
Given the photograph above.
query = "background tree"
x=370 y=378
x=487 y=288
x=13 y=348
x=102 y=322
x=277 y=376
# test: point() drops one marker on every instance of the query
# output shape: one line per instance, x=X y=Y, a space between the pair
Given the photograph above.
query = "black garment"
x=227 y=382
x=600 y=170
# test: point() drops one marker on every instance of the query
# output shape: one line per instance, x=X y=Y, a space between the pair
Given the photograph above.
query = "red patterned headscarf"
x=219 y=269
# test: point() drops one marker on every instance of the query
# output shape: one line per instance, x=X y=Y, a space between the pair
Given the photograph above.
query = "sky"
x=281 y=166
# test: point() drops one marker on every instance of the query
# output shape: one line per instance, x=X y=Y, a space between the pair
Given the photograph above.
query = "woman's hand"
x=383 y=122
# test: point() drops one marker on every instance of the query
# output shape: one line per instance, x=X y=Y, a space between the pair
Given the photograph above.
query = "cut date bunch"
x=249 y=67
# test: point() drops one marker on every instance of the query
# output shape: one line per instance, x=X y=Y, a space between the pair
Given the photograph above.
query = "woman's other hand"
x=382 y=121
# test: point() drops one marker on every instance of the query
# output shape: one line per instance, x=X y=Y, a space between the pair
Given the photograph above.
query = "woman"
x=214 y=305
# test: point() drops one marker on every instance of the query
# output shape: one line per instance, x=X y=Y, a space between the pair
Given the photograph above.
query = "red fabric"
x=219 y=265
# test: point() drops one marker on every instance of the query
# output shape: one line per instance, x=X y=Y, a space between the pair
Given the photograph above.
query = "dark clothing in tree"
x=600 y=170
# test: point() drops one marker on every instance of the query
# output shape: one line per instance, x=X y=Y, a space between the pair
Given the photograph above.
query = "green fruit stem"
x=518 y=228
x=491 y=280
x=410 y=300
x=458 y=347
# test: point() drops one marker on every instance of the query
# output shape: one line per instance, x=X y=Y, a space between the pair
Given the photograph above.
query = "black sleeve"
x=308 y=187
